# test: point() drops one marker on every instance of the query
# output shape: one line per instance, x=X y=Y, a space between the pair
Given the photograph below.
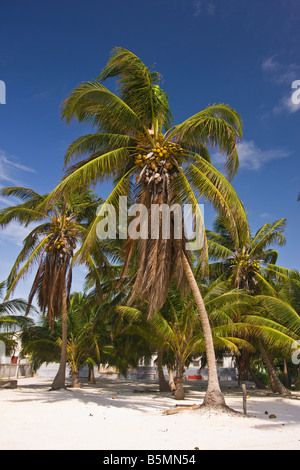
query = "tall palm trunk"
x=213 y=396
x=60 y=378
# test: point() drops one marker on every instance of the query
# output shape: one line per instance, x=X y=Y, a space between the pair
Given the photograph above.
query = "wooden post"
x=244 y=398
x=18 y=368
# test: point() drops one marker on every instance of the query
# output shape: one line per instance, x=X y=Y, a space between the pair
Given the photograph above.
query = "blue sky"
x=245 y=54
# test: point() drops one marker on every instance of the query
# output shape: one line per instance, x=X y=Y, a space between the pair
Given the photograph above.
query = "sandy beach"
x=122 y=415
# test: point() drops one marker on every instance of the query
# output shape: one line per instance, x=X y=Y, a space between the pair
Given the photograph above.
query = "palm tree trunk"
x=276 y=385
x=163 y=384
x=213 y=396
x=75 y=379
x=286 y=373
x=92 y=379
x=60 y=378
x=179 y=390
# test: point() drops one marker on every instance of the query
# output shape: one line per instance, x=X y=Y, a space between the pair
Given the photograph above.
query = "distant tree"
x=249 y=264
x=51 y=246
x=11 y=320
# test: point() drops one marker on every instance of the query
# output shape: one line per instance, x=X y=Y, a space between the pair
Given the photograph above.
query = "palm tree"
x=91 y=326
x=88 y=336
x=41 y=343
x=12 y=318
x=50 y=245
x=247 y=260
x=249 y=264
x=153 y=162
x=288 y=288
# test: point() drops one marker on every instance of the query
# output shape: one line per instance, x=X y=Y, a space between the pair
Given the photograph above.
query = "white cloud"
x=11 y=172
x=282 y=75
x=204 y=6
x=251 y=157
x=10 y=169
x=279 y=72
x=265 y=215
x=15 y=233
x=286 y=104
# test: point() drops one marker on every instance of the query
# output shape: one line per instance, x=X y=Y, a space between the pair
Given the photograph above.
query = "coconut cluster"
x=60 y=246
x=253 y=264
x=158 y=164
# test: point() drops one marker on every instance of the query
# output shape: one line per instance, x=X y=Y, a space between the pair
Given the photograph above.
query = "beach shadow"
x=143 y=397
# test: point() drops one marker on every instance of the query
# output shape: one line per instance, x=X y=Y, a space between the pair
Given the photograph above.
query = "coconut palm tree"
x=88 y=336
x=247 y=261
x=40 y=343
x=12 y=318
x=153 y=162
x=92 y=326
x=249 y=264
x=50 y=246
x=288 y=288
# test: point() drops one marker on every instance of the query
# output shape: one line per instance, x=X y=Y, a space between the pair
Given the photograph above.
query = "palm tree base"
x=59 y=380
x=53 y=389
x=207 y=409
x=214 y=397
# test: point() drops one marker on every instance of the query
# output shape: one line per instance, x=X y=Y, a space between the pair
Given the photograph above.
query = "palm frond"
x=112 y=201
x=97 y=143
x=14 y=278
x=138 y=87
x=268 y=234
x=217 y=126
x=94 y=104
x=211 y=185
x=282 y=311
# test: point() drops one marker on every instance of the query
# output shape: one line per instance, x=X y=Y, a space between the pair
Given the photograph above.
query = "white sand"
x=111 y=416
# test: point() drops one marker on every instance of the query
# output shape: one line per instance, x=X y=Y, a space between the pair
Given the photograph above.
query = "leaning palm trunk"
x=257 y=382
x=213 y=396
x=276 y=385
